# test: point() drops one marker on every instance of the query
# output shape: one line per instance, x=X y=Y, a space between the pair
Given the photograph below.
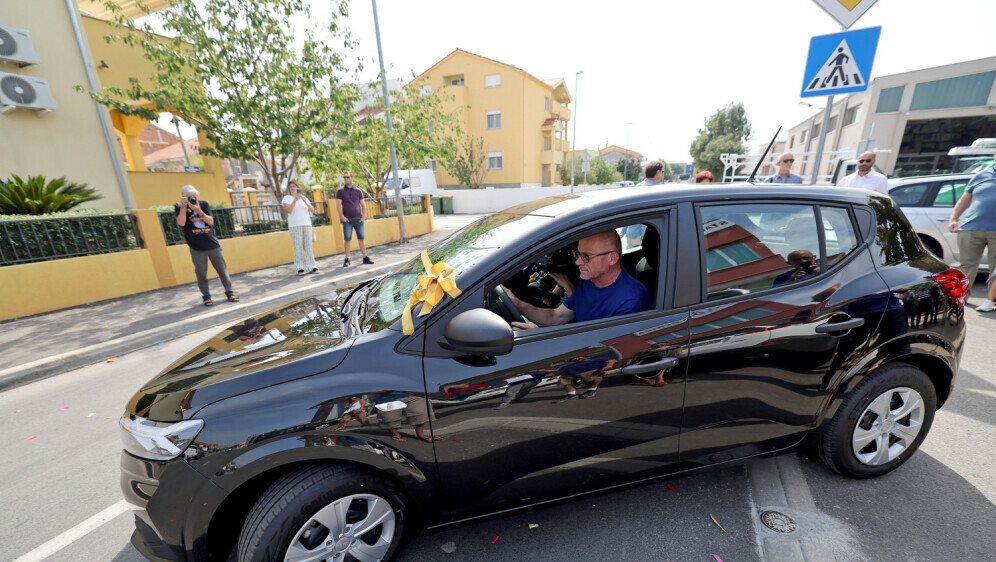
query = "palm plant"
x=36 y=197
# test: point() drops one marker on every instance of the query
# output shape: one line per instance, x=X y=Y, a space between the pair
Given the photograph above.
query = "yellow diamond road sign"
x=846 y=12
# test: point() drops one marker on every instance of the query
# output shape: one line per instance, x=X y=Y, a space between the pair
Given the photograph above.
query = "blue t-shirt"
x=981 y=214
x=777 y=178
x=624 y=296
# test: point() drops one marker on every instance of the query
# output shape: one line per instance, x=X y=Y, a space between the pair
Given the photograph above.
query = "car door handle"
x=831 y=327
x=663 y=364
x=942 y=220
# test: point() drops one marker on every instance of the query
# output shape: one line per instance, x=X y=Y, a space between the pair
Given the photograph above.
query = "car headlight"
x=158 y=441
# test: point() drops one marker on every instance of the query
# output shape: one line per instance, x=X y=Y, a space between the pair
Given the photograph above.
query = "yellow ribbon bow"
x=429 y=291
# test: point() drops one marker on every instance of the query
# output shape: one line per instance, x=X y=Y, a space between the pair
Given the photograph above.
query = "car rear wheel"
x=332 y=513
x=881 y=423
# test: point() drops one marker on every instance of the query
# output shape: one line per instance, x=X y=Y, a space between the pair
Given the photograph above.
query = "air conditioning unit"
x=28 y=92
x=15 y=47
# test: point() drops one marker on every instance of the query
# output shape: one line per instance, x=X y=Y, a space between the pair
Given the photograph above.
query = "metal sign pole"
x=823 y=138
x=398 y=201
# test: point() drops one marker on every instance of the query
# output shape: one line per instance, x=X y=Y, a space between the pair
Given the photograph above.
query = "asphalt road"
x=62 y=501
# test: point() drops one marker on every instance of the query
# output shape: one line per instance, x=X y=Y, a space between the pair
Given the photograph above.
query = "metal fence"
x=381 y=207
x=30 y=240
x=245 y=220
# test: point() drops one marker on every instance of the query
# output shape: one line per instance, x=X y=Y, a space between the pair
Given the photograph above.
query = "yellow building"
x=522 y=119
x=76 y=137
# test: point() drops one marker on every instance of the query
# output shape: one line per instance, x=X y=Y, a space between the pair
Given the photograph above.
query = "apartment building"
x=522 y=119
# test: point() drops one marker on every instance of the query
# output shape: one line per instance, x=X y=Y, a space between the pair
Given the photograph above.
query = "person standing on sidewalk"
x=194 y=217
x=784 y=173
x=866 y=176
x=352 y=213
x=299 y=211
x=977 y=210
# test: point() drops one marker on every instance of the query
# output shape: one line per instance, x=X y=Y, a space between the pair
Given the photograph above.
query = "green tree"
x=469 y=164
x=422 y=132
x=601 y=172
x=258 y=85
x=35 y=196
x=630 y=168
x=724 y=131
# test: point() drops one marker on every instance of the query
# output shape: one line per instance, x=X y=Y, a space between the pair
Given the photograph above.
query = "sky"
x=653 y=72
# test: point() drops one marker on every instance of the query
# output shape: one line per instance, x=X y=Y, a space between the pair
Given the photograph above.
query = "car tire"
x=330 y=509
x=881 y=423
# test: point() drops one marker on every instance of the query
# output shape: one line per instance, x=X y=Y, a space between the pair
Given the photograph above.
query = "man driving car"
x=605 y=290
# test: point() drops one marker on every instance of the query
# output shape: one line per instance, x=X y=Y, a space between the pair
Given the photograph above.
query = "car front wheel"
x=331 y=513
x=881 y=423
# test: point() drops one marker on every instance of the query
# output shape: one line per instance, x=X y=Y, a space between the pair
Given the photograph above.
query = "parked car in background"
x=779 y=318
x=927 y=201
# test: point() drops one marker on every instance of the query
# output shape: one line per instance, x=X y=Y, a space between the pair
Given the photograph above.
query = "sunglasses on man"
x=789 y=160
x=865 y=160
x=585 y=257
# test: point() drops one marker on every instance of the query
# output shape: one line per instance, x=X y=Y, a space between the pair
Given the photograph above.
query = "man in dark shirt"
x=605 y=290
x=352 y=213
x=194 y=217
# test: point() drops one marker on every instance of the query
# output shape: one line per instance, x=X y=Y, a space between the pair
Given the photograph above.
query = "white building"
x=916 y=116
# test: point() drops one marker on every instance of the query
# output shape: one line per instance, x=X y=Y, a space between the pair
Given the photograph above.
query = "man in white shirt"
x=866 y=176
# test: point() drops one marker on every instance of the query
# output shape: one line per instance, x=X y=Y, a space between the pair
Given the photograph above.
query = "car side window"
x=755 y=247
x=839 y=234
x=909 y=195
x=949 y=193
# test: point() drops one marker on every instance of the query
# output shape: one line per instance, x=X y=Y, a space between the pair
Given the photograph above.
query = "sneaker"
x=367 y=260
x=564 y=399
x=589 y=394
x=300 y=272
x=986 y=306
x=345 y=263
x=314 y=270
x=502 y=406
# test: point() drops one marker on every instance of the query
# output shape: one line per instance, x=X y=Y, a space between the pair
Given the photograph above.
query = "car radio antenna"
x=766 y=151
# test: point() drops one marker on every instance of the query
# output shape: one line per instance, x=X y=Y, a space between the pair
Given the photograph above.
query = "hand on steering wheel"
x=502 y=304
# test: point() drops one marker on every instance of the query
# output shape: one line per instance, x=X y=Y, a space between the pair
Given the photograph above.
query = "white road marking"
x=75 y=534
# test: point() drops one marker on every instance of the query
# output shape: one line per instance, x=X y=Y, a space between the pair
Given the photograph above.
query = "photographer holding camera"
x=194 y=217
x=804 y=265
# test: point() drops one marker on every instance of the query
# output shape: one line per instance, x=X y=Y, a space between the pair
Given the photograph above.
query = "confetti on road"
x=533 y=525
x=718 y=559
x=32 y=437
x=91 y=414
x=449 y=548
x=64 y=408
x=18 y=411
x=108 y=417
x=100 y=323
x=110 y=359
x=717 y=523
x=670 y=487
x=494 y=540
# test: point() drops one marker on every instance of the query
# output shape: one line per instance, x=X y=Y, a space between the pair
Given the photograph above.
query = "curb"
x=27 y=373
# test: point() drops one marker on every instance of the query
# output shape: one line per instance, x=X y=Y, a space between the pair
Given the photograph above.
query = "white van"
x=413 y=182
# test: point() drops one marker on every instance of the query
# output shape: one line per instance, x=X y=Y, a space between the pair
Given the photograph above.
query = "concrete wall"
x=491 y=200
x=68 y=141
x=35 y=288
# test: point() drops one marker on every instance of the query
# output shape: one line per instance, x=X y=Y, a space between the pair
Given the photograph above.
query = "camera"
x=807 y=265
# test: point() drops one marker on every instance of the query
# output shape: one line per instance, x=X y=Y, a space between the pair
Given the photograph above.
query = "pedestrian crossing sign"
x=840 y=63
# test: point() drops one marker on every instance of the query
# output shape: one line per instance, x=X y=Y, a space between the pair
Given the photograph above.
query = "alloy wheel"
x=888 y=426
x=355 y=527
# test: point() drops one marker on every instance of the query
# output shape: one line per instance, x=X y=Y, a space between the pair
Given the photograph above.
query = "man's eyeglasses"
x=789 y=160
x=585 y=258
x=865 y=160
x=346 y=177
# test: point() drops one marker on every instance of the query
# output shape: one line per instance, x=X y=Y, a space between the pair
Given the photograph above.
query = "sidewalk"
x=47 y=344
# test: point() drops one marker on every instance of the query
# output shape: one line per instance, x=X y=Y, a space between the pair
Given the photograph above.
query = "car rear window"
x=909 y=195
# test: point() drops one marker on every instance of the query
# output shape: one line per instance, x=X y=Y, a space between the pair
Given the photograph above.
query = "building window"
x=791 y=141
x=963 y=91
x=888 y=99
x=494 y=160
x=454 y=80
x=546 y=103
x=832 y=125
x=852 y=115
x=804 y=136
x=546 y=143
x=432 y=164
x=494 y=119
x=426 y=90
x=816 y=131
x=492 y=81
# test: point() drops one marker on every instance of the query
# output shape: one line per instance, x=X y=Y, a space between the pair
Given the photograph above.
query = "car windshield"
x=466 y=247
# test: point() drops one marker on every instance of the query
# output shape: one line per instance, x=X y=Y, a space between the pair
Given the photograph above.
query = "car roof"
x=641 y=197
x=934 y=177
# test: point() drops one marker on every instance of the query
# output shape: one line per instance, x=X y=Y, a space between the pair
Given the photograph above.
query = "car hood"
x=296 y=340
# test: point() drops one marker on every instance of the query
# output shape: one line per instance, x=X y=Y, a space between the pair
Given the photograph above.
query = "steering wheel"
x=500 y=303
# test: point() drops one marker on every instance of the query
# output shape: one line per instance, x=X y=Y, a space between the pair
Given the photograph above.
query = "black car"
x=779 y=318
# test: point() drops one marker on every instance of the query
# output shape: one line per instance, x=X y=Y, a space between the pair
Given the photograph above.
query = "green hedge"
x=25 y=238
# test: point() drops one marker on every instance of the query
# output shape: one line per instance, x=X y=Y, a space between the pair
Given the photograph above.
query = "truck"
x=970 y=159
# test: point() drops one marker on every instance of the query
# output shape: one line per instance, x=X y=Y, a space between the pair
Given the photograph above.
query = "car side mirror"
x=478 y=332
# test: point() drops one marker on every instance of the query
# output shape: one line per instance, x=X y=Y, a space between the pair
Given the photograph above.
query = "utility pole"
x=398 y=201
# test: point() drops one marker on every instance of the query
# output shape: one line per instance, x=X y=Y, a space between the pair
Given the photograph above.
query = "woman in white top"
x=299 y=211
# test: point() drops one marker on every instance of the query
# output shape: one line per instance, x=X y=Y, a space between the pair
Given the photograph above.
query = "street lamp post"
x=398 y=202
x=626 y=161
x=574 y=148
